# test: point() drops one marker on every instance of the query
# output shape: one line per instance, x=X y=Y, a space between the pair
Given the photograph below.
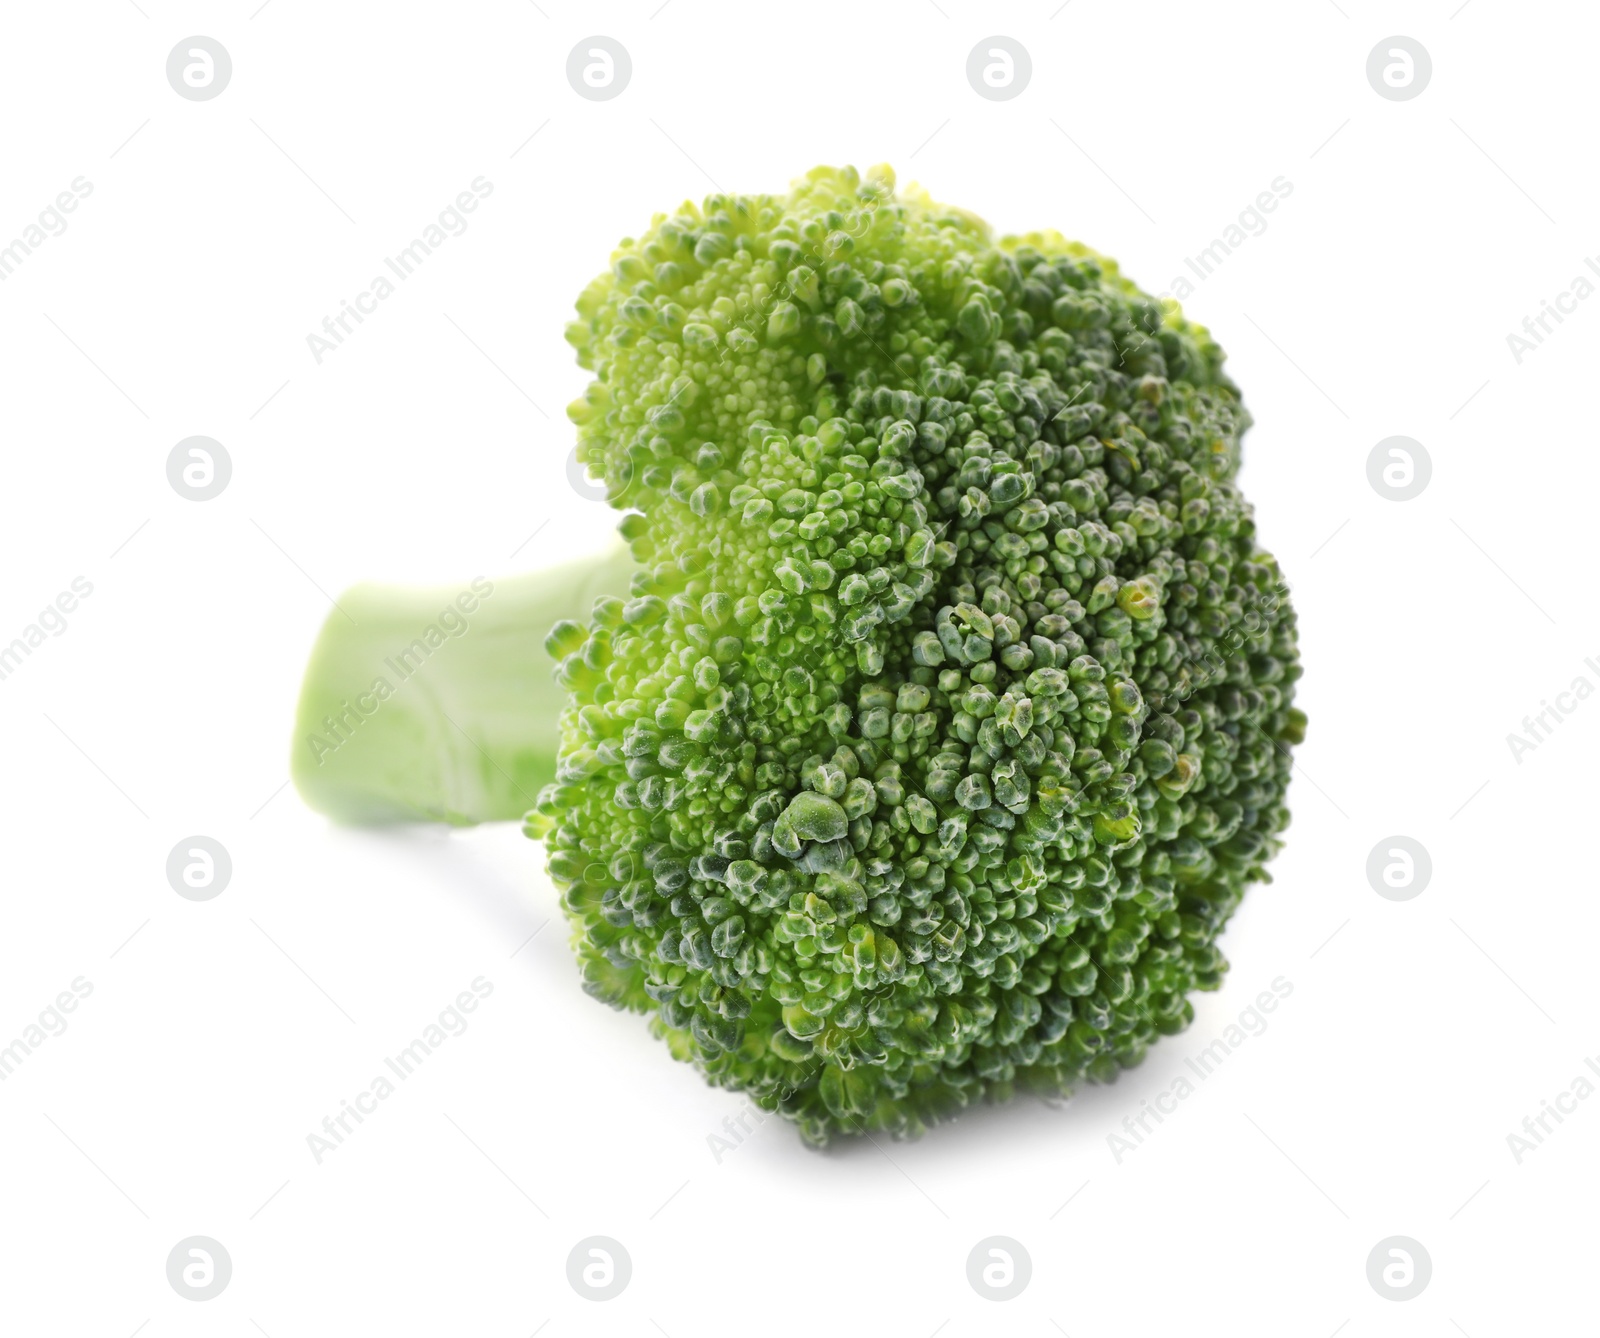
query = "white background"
x=431 y=445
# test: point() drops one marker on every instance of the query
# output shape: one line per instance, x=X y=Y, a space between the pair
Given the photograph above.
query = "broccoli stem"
x=437 y=704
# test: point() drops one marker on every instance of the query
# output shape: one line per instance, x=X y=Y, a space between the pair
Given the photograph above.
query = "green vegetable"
x=948 y=714
x=438 y=704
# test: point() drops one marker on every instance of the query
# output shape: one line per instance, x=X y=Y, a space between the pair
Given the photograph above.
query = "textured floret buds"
x=948 y=717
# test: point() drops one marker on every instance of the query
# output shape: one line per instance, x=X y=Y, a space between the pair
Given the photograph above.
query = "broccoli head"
x=949 y=713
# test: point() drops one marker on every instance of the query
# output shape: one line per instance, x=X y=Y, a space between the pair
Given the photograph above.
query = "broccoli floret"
x=949 y=715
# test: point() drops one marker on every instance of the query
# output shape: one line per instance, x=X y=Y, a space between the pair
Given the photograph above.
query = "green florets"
x=949 y=717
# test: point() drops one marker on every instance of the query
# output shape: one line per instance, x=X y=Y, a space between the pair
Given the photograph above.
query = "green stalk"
x=437 y=704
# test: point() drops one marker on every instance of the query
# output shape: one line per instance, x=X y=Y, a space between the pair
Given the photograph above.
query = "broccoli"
x=947 y=715
x=437 y=704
